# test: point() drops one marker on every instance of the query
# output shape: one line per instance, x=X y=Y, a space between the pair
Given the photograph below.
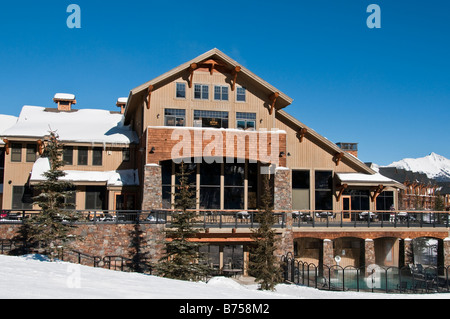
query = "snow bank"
x=33 y=277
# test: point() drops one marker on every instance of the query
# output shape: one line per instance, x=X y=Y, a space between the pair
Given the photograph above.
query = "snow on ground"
x=34 y=277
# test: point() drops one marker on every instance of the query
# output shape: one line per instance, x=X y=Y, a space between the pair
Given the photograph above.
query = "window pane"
x=16 y=152
x=97 y=156
x=197 y=91
x=126 y=154
x=181 y=90
x=324 y=200
x=240 y=96
x=234 y=174
x=324 y=180
x=31 y=153
x=205 y=92
x=175 y=117
x=82 y=155
x=68 y=155
x=300 y=179
x=224 y=93
x=217 y=93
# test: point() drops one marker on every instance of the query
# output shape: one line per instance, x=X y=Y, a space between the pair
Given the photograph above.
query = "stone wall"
x=152 y=196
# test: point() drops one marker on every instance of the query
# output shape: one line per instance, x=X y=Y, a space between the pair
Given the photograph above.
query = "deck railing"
x=249 y=218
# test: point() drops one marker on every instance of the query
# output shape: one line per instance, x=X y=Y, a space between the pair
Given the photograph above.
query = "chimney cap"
x=122 y=100
x=64 y=97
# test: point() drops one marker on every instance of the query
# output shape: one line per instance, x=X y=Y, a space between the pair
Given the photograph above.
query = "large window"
x=385 y=201
x=221 y=93
x=360 y=199
x=234 y=188
x=300 y=190
x=215 y=119
x=22 y=197
x=166 y=169
x=201 y=92
x=95 y=197
x=246 y=121
x=210 y=186
x=174 y=117
x=324 y=188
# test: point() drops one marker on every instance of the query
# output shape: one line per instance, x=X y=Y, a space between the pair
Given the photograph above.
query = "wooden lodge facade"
x=230 y=127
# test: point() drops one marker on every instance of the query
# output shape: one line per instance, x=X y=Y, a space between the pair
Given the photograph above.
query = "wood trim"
x=273 y=98
x=149 y=97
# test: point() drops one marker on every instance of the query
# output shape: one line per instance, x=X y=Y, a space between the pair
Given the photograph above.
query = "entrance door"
x=346 y=208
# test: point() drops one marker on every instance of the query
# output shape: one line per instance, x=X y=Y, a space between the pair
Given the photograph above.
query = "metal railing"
x=249 y=218
x=373 y=278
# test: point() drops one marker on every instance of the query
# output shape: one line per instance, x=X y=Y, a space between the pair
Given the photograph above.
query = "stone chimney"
x=351 y=148
x=122 y=103
x=64 y=101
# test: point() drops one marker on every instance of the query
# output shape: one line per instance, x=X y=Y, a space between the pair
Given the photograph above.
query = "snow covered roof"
x=6 y=121
x=359 y=179
x=85 y=126
x=110 y=178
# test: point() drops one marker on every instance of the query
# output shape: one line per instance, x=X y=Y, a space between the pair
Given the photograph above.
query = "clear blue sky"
x=387 y=89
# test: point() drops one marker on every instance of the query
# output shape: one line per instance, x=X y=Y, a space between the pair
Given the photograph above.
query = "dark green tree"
x=50 y=230
x=264 y=265
x=182 y=259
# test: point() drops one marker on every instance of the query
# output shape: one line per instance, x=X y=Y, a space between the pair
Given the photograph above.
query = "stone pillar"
x=282 y=189
x=328 y=253
x=283 y=202
x=152 y=192
x=369 y=252
x=409 y=254
x=447 y=252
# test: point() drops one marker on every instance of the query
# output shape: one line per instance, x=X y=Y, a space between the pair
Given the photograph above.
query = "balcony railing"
x=249 y=218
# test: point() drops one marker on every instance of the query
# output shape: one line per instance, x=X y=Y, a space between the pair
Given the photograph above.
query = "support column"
x=283 y=202
x=328 y=253
x=282 y=189
x=152 y=192
x=409 y=254
x=447 y=252
x=369 y=252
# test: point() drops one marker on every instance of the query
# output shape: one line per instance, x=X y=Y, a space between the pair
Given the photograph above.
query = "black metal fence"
x=249 y=218
x=409 y=279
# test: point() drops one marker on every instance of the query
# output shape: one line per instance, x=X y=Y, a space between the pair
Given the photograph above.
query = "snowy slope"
x=434 y=166
x=33 y=277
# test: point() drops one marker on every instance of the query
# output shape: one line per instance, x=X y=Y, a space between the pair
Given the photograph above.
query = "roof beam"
x=377 y=192
x=301 y=134
x=192 y=68
x=235 y=72
x=273 y=98
x=338 y=157
x=149 y=97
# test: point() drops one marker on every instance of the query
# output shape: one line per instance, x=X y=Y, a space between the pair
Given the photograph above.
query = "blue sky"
x=387 y=89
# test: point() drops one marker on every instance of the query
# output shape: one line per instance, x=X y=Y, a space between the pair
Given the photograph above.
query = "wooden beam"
x=301 y=134
x=235 y=72
x=192 y=68
x=7 y=146
x=377 y=192
x=149 y=97
x=273 y=98
x=338 y=157
x=341 y=191
x=40 y=144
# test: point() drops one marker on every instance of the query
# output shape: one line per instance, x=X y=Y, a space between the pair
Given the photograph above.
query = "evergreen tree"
x=50 y=229
x=182 y=259
x=264 y=265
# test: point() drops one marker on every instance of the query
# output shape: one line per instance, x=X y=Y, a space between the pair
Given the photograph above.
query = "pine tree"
x=50 y=229
x=264 y=265
x=182 y=259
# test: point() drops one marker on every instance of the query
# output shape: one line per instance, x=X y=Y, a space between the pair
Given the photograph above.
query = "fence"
x=374 y=278
x=249 y=218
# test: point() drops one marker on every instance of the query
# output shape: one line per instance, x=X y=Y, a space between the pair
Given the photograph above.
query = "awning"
x=359 y=179
x=108 y=178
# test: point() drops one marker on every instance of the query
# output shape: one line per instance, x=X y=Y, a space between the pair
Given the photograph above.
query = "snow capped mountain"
x=434 y=166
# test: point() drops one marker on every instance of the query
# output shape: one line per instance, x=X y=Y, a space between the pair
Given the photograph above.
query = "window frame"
x=177 y=84
x=246 y=117
x=202 y=92
x=221 y=93
x=30 y=153
x=81 y=156
x=68 y=153
x=95 y=152
x=16 y=150
x=175 y=117
x=244 y=94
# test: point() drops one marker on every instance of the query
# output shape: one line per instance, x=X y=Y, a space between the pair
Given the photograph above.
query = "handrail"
x=215 y=218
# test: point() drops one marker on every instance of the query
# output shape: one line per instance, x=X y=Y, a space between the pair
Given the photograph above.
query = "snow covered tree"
x=264 y=265
x=50 y=230
x=182 y=259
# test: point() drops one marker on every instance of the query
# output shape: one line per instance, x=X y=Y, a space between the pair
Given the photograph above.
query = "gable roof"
x=135 y=94
x=84 y=126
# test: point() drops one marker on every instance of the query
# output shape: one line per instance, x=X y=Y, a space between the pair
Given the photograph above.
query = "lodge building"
x=230 y=127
